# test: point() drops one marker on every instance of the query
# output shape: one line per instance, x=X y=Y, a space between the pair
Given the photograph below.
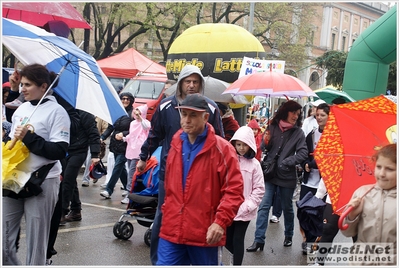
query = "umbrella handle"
x=12 y=143
x=344 y=214
x=348 y=210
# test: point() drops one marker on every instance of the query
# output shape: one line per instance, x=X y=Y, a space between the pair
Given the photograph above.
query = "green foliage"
x=334 y=62
x=392 y=85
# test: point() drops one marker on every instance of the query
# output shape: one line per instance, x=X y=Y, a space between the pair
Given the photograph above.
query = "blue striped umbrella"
x=81 y=81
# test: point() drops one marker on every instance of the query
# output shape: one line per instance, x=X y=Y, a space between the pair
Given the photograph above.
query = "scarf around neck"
x=284 y=126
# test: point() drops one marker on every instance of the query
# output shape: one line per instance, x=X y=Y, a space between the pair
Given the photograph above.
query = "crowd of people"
x=205 y=152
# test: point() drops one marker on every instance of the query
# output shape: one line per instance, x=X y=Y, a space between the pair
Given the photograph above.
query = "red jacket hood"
x=254 y=124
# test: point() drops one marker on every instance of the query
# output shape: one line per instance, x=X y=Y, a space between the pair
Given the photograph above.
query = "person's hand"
x=214 y=234
x=95 y=161
x=20 y=132
x=357 y=204
x=138 y=115
x=307 y=169
x=119 y=136
x=141 y=165
x=15 y=80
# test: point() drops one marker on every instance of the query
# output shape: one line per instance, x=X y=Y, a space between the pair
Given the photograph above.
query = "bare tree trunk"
x=86 y=16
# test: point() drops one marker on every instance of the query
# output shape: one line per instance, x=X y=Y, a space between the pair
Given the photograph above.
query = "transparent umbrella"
x=213 y=89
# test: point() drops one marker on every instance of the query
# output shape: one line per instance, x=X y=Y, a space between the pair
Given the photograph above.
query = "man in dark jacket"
x=164 y=124
x=83 y=137
x=117 y=146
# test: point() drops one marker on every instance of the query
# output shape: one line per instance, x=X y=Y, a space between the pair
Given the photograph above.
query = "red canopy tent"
x=128 y=63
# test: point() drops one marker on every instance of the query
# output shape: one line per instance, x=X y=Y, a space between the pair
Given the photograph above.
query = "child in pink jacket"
x=138 y=133
x=254 y=189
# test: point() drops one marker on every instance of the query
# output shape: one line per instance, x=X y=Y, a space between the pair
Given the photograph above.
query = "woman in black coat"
x=283 y=132
x=117 y=131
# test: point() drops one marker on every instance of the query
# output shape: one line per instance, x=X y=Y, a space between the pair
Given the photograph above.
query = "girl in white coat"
x=254 y=188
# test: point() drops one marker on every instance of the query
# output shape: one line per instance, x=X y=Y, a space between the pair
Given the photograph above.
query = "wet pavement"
x=91 y=241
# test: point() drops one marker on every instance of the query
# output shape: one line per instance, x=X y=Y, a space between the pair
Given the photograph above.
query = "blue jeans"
x=262 y=218
x=276 y=211
x=156 y=225
x=119 y=171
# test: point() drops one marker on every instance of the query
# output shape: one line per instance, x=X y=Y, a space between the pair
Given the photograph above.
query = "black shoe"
x=50 y=253
x=53 y=252
x=74 y=215
x=63 y=220
x=288 y=241
x=255 y=246
x=304 y=248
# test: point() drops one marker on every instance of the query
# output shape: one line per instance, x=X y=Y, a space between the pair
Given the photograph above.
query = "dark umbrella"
x=310 y=214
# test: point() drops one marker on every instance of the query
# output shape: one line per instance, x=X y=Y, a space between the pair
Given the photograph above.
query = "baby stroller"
x=143 y=200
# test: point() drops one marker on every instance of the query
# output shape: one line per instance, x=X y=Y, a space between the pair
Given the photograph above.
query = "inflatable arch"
x=367 y=65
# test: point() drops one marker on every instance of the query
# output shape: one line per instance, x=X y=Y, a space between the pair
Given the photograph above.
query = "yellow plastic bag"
x=12 y=178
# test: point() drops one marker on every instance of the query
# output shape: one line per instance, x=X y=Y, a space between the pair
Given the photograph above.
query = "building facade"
x=341 y=24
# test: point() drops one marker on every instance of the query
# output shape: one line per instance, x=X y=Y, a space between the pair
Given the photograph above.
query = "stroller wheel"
x=147 y=237
x=126 y=230
x=117 y=225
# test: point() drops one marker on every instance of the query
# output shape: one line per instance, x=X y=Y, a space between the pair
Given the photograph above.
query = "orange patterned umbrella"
x=354 y=131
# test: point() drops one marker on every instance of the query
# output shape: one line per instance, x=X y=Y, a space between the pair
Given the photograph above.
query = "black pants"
x=56 y=218
x=235 y=236
x=55 y=223
x=70 y=192
x=330 y=230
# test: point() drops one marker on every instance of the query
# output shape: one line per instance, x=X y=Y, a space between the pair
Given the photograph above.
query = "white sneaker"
x=274 y=219
x=85 y=183
x=104 y=185
x=125 y=200
x=13 y=104
x=105 y=194
x=125 y=193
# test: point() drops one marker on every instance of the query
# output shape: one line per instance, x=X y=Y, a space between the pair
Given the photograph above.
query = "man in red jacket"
x=203 y=190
